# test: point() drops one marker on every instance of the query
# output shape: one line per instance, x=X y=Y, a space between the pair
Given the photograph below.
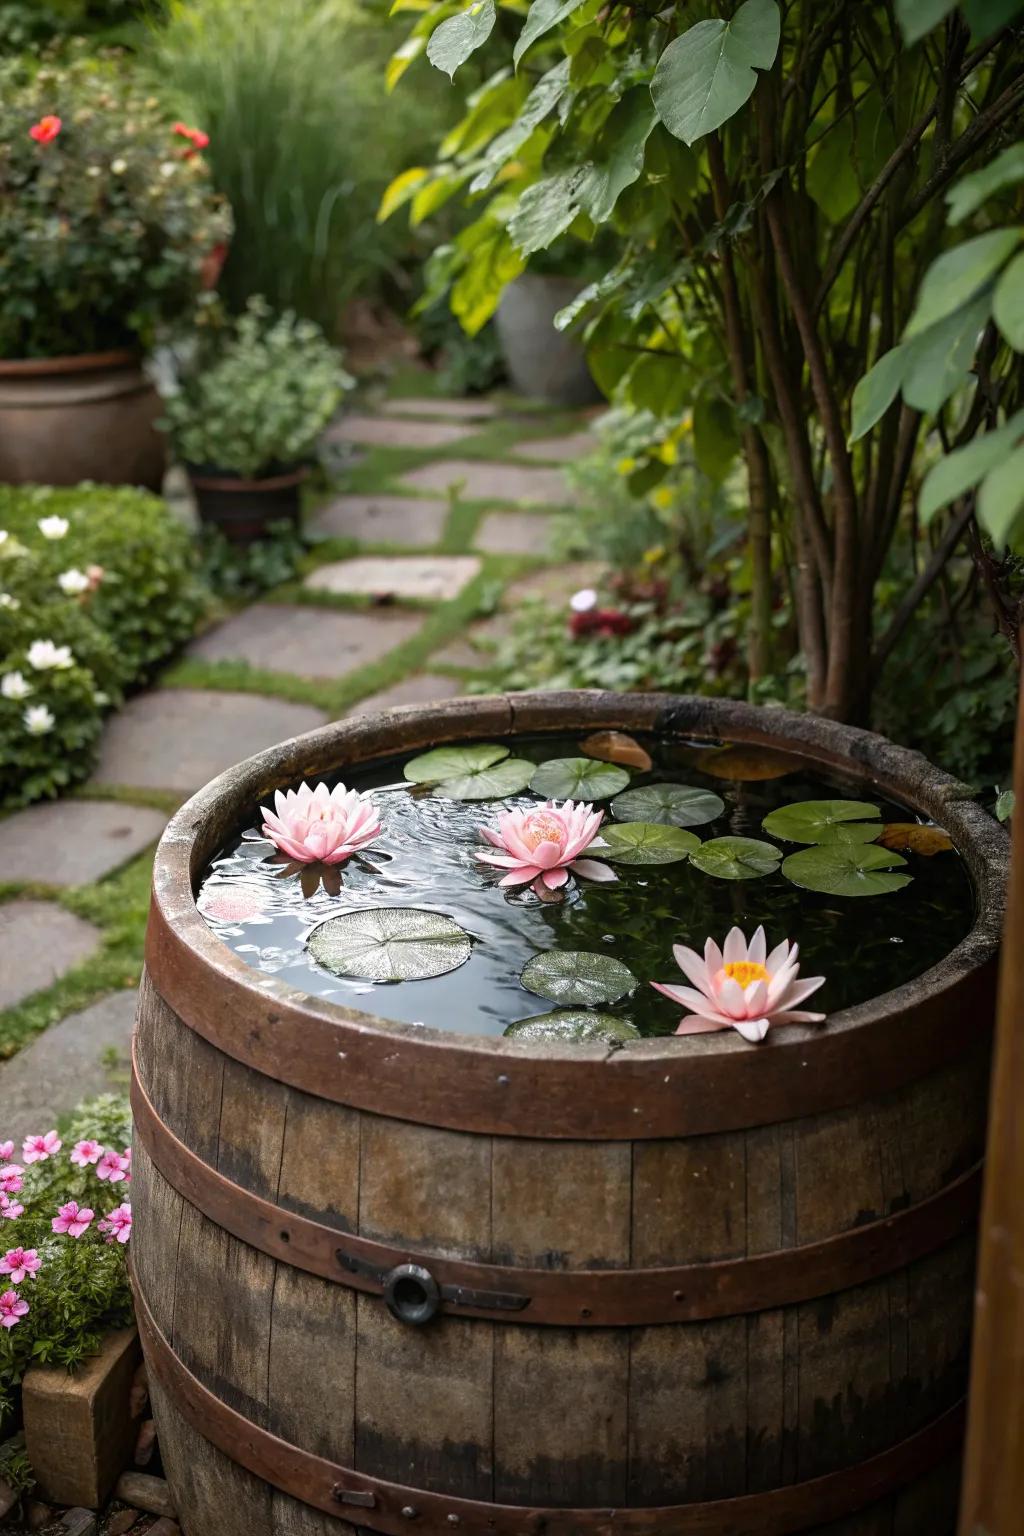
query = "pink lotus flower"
x=72 y=1219
x=10 y=1210
x=21 y=1264
x=86 y=1153
x=6 y=1151
x=113 y=1167
x=740 y=987
x=321 y=826
x=544 y=844
x=36 y=1149
x=12 y=1309
x=10 y=1179
x=118 y=1224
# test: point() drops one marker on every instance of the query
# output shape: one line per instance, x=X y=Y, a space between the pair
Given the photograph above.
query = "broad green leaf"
x=1001 y=499
x=831 y=175
x=716 y=441
x=545 y=211
x=961 y=470
x=390 y=944
x=477 y=290
x=916 y=17
x=573 y=1026
x=644 y=842
x=541 y=100
x=706 y=75
x=846 y=869
x=453 y=762
x=824 y=821
x=428 y=199
x=736 y=858
x=399 y=192
x=577 y=778
x=877 y=390
x=1006 y=803
x=986 y=16
x=971 y=191
x=575 y=977
x=668 y=805
x=956 y=276
x=541 y=17
x=1008 y=302
x=938 y=360
x=455 y=39
x=509 y=777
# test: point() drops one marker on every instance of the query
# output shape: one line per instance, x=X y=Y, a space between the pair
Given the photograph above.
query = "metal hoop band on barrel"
x=584 y=1298
x=392 y=1509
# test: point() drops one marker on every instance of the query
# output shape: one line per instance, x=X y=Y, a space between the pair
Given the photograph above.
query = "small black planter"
x=244 y=510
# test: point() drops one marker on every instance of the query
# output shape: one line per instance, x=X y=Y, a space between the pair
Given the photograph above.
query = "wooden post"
x=993 y=1497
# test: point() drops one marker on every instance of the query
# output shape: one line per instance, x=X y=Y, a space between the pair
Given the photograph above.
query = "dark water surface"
x=425 y=858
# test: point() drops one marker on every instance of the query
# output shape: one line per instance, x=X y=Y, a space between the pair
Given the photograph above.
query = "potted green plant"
x=109 y=229
x=247 y=416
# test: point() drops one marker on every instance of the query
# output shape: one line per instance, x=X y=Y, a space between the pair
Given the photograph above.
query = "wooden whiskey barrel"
x=396 y=1279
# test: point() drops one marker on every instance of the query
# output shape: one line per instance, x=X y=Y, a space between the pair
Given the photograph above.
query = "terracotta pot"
x=68 y=419
x=245 y=510
x=543 y=364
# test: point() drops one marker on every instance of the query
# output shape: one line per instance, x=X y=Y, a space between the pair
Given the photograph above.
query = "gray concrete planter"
x=543 y=363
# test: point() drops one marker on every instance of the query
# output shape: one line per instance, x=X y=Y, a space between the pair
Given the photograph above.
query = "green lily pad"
x=846 y=869
x=669 y=805
x=642 y=842
x=576 y=977
x=573 y=1026
x=825 y=821
x=481 y=772
x=390 y=944
x=736 y=858
x=578 y=778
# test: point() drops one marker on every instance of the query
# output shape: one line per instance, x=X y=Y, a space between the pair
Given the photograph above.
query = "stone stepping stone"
x=311 y=642
x=64 y=1065
x=558 y=450
x=460 y=410
x=480 y=481
x=432 y=578
x=39 y=942
x=514 y=533
x=397 y=432
x=180 y=738
x=73 y=842
x=425 y=688
x=410 y=520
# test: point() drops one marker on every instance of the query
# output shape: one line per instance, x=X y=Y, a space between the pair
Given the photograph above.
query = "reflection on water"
x=264 y=907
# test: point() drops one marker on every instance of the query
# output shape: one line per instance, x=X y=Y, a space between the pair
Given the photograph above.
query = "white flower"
x=7 y=601
x=73 y=582
x=14 y=686
x=93 y=170
x=43 y=654
x=38 y=720
x=583 y=601
x=168 y=168
x=4 y=536
x=119 y=166
x=53 y=527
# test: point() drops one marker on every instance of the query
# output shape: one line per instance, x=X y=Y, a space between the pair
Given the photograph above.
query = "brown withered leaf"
x=747 y=764
x=617 y=747
x=919 y=839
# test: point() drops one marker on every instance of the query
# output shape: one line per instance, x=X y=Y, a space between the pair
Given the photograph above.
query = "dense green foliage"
x=106 y=226
x=111 y=577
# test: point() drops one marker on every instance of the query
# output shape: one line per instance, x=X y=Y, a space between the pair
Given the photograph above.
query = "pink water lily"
x=321 y=825
x=741 y=987
x=36 y=1149
x=542 y=846
x=21 y=1264
x=72 y=1219
x=12 y=1309
x=86 y=1153
x=118 y=1225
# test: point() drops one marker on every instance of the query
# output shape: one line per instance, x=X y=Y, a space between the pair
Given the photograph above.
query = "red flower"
x=601 y=621
x=196 y=137
x=46 y=130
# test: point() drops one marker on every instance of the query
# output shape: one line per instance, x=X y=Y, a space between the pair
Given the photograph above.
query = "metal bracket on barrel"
x=413 y=1295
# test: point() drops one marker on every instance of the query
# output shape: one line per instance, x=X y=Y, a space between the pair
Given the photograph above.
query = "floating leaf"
x=483 y=772
x=915 y=836
x=669 y=805
x=645 y=842
x=747 y=765
x=824 y=821
x=573 y=976
x=574 y=1026
x=617 y=747
x=846 y=869
x=577 y=778
x=390 y=944
x=453 y=762
x=736 y=858
x=507 y=778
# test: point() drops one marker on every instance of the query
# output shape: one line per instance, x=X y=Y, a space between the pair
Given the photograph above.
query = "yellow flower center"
x=541 y=827
x=746 y=971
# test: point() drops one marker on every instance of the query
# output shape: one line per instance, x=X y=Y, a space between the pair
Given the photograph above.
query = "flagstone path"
x=437 y=530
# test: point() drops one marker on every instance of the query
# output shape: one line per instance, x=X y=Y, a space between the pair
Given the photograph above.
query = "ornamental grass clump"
x=109 y=226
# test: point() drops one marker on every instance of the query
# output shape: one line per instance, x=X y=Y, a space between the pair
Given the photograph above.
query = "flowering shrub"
x=262 y=393
x=64 y=1227
x=107 y=217
x=97 y=584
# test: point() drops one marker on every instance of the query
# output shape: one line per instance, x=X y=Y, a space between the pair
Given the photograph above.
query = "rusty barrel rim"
x=649 y=1088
